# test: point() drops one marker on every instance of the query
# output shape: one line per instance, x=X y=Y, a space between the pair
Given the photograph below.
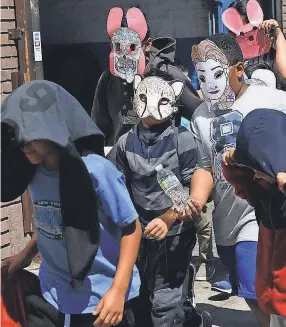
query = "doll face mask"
x=156 y=97
x=253 y=42
x=126 y=57
x=213 y=73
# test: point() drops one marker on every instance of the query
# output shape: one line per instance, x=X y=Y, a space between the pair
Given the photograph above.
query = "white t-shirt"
x=215 y=132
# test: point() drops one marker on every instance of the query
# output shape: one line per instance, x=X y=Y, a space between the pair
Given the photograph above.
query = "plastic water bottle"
x=172 y=187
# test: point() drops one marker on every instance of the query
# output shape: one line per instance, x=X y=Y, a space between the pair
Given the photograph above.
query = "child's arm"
x=23 y=259
x=280 y=59
x=111 y=306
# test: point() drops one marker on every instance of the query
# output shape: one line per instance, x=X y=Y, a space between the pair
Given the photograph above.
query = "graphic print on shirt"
x=224 y=129
x=48 y=219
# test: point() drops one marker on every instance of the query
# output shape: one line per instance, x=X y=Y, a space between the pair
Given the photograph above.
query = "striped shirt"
x=141 y=150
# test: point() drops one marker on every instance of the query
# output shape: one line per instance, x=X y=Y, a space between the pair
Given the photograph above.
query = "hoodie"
x=112 y=107
x=260 y=145
x=42 y=110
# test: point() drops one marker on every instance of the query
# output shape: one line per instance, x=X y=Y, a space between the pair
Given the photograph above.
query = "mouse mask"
x=127 y=57
x=253 y=42
x=213 y=73
x=156 y=97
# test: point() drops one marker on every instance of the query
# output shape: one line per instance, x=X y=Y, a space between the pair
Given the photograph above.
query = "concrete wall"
x=84 y=21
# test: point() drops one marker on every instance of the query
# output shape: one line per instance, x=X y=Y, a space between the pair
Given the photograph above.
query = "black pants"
x=164 y=267
x=42 y=314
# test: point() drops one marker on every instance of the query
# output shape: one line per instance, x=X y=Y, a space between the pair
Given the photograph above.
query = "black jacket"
x=112 y=107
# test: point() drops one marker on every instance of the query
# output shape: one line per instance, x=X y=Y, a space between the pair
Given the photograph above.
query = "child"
x=133 y=51
x=255 y=169
x=86 y=228
x=167 y=245
x=219 y=64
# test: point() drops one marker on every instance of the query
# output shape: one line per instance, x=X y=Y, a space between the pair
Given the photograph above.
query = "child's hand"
x=156 y=229
x=15 y=263
x=271 y=26
x=110 y=308
x=281 y=179
x=228 y=157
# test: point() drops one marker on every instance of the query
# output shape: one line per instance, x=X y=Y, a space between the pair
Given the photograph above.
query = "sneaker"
x=191 y=290
x=223 y=286
x=205 y=271
x=206 y=319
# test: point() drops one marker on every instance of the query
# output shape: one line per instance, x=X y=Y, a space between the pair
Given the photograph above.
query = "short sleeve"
x=203 y=159
x=116 y=202
x=109 y=184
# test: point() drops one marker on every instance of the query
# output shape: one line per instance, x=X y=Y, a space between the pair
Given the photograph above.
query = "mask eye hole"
x=202 y=78
x=132 y=48
x=143 y=97
x=117 y=47
x=164 y=101
x=218 y=74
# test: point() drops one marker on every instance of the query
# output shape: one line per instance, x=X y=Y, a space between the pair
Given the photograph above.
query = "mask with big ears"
x=253 y=42
x=156 y=97
x=127 y=57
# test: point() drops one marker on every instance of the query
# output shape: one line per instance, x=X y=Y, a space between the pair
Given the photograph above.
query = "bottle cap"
x=159 y=167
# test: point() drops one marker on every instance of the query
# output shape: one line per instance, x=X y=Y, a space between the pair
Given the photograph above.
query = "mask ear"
x=177 y=87
x=232 y=20
x=137 y=80
x=137 y=22
x=254 y=13
x=114 y=20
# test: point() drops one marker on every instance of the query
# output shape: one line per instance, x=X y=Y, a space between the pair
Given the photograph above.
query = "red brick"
x=7 y=25
x=7 y=13
x=6 y=87
x=6 y=74
x=9 y=51
x=3 y=97
x=7 y=3
x=5 y=40
x=7 y=63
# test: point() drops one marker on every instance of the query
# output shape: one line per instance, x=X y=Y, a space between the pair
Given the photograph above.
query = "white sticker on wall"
x=37 y=46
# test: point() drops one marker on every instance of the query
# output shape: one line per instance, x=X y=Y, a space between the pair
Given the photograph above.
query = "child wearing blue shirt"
x=86 y=228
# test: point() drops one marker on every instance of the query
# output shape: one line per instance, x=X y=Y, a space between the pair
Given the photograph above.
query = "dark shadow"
x=225 y=317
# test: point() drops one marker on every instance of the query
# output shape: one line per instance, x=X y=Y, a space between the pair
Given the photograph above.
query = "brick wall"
x=9 y=59
x=284 y=15
x=12 y=233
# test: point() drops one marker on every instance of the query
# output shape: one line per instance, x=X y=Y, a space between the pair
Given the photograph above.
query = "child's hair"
x=229 y=46
x=124 y=22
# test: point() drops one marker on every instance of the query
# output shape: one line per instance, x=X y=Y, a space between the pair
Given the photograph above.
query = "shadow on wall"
x=75 y=68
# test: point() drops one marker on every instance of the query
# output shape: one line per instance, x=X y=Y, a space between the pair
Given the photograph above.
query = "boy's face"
x=38 y=151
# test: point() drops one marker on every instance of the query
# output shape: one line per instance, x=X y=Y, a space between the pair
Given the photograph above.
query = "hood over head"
x=261 y=142
x=42 y=110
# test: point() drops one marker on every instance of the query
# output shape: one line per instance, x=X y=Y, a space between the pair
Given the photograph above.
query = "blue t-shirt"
x=115 y=211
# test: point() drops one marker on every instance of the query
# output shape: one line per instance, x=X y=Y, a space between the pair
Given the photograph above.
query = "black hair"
x=124 y=22
x=181 y=66
x=240 y=6
x=159 y=73
x=229 y=46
